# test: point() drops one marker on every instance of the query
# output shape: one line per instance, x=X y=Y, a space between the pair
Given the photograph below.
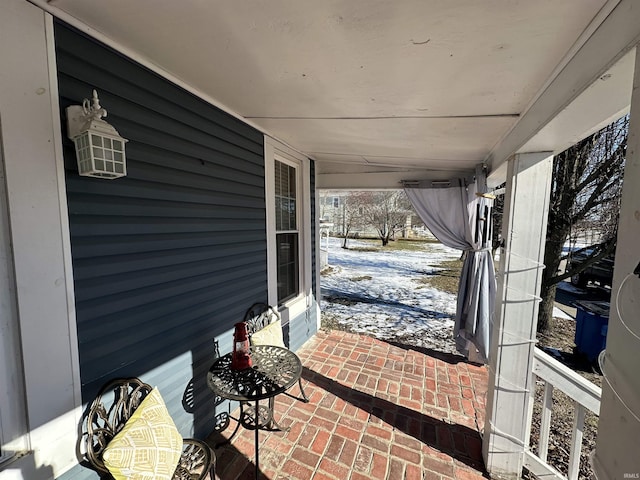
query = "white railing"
x=585 y=395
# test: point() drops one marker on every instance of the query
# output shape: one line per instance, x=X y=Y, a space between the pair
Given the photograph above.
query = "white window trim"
x=275 y=150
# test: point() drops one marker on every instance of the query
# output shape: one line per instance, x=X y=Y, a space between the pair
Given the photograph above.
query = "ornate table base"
x=274 y=370
x=266 y=420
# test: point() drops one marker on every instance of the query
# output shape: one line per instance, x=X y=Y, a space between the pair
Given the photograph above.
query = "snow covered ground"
x=380 y=293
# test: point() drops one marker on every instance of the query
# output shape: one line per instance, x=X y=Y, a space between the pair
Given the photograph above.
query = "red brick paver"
x=377 y=411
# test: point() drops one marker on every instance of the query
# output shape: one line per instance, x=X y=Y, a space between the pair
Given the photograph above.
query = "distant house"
x=332 y=210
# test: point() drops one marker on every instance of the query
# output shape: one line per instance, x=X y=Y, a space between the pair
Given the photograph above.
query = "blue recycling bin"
x=592 y=322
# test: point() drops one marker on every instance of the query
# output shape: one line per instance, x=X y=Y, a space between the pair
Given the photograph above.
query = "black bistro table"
x=274 y=370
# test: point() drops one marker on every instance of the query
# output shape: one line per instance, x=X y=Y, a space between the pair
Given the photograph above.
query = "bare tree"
x=496 y=220
x=585 y=196
x=386 y=211
x=352 y=213
x=344 y=210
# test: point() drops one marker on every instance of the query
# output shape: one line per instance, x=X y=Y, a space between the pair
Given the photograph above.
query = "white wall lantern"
x=99 y=147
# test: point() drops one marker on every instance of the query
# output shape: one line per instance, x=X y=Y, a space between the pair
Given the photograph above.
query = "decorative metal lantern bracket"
x=100 y=149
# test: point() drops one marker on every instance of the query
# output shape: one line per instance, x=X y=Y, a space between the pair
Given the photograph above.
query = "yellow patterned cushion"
x=148 y=447
x=269 y=335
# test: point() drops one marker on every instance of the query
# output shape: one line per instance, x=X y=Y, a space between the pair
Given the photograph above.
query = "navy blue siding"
x=171 y=256
x=303 y=327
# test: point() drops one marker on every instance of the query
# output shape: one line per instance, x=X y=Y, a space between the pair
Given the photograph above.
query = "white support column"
x=514 y=329
x=616 y=455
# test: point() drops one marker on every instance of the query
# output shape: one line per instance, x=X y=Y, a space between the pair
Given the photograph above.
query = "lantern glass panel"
x=98 y=156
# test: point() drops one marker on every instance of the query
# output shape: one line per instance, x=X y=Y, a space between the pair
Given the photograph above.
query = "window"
x=287 y=234
x=288 y=199
x=336 y=202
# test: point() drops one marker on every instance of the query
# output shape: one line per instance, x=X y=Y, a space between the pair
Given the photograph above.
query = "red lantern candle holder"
x=241 y=357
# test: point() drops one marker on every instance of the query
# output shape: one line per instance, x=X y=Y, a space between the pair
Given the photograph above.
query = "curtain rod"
x=455 y=182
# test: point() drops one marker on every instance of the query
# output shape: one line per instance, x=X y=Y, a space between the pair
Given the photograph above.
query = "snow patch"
x=560 y=314
x=389 y=305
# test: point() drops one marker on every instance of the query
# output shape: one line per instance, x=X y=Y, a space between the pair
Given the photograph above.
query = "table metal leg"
x=257 y=434
x=272 y=423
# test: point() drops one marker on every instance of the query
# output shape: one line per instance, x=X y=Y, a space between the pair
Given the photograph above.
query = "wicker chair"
x=110 y=411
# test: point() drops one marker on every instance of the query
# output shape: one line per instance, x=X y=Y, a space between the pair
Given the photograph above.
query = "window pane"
x=288 y=265
x=292 y=214
x=278 y=178
x=292 y=181
x=285 y=192
x=287 y=260
x=279 y=213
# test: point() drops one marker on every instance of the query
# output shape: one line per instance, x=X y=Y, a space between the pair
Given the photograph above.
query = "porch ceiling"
x=403 y=89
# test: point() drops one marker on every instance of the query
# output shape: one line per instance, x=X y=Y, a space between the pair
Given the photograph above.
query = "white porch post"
x=616 y=455
x=524 y=229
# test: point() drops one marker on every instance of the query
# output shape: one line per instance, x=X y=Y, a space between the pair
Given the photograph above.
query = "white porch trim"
x=37 y=208
x=514 y=329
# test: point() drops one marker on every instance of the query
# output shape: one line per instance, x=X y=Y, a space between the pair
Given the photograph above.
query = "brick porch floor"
x=376 y=411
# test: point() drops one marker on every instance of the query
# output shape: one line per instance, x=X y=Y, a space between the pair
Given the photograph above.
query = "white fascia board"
x=618 y=33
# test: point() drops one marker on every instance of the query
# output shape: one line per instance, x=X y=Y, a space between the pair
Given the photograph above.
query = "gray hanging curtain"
x=461 y=219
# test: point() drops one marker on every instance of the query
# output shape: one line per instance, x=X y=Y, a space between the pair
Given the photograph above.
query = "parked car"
x=600 y=272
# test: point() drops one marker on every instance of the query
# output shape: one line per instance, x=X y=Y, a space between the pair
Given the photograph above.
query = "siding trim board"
x=40 y=315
